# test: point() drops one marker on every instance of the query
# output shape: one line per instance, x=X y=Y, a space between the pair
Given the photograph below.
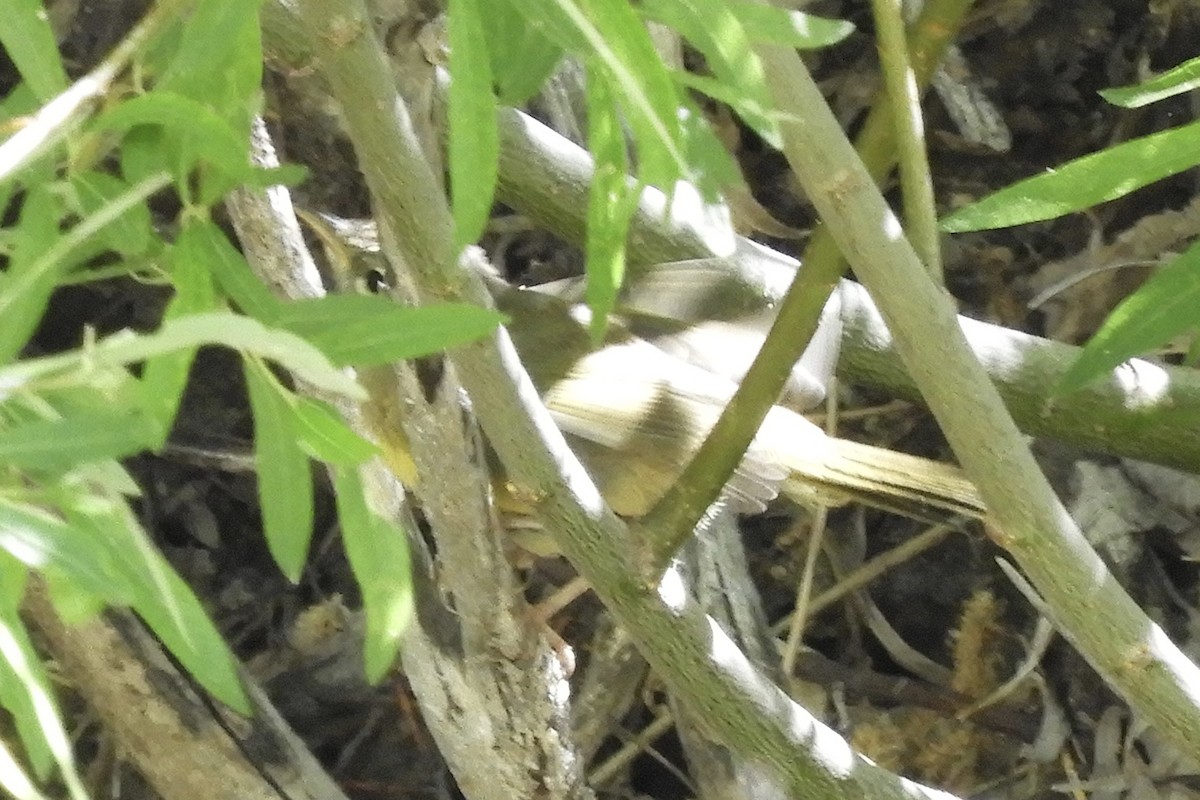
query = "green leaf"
x=208 y=249
x=76 y=428
x=474 y=149
x=324 y=435
x=17 y=695
x=609 y=207
x=85 y=436
x=195 y=131
x=283 y=175
x=369 y=330
x=159 y=596
x=143 y=153
x=522 y=57
x=731 y=96
x=715 y=169
x=29 y=42
x=25 y=691
x=378 y=554
x=232 y=330
x=1165 y=306
x=13 y=778
x=165 y=377
x=13 y=578
x=617 y=48
x=1183 y=78
x=713 y=28
x=218 y=56
x=765 y=23
x=42 y=540
x=26 y=285
x=41 y=255
x=130 y=231
x=73 y=604
x=1111 y=173
x=285 y=490
x=25 y=155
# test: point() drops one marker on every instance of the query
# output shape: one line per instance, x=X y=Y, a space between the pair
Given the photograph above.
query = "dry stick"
x=696 y=659
x=183 y=745
x=1087 y=603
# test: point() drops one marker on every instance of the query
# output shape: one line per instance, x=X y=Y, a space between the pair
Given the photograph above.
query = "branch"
x=545 y=177
x=183 y=745
x=449 y=656
x=744 y=709
x=1086 y=602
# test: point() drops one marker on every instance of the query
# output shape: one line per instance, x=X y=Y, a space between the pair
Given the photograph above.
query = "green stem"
x=1084 y=600
x=735 y=701
x=904 y=98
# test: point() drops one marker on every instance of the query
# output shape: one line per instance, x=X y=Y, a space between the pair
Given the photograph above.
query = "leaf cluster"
x=1165 y=306
x=163 y=122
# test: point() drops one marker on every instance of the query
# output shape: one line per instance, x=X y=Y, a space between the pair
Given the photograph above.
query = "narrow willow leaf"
x=203 y=243
x=765 y=23
x=158 y=595
x=130 y=231
x=199 y=133
x=88 y=436
x=285 y=492
x=218 y=56
x=41 y=255
x=365 y=330
x=1183 y=78
x=713 y=28
x=324 y=435
x=143 y=153
x=523 y=58
x=13 y=577
x=13 y=778
x=1165 y=306
x=25 y=691
x=232 y=330
x=30 y=44
x=378 y=554
x=608 y=196
x=42 y=540
x=613 y=41
x=283 y=175
x=1097 y=178
x=644 y=91
x=26 y=285
x=165 y=377
x=72 y=431
x=714 y=170
x=474 y=137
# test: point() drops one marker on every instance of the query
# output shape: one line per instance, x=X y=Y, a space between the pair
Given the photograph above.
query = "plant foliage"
x=81 y=162
x=1165 y=306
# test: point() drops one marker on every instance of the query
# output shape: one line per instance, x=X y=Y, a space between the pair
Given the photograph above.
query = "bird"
x=635 y=410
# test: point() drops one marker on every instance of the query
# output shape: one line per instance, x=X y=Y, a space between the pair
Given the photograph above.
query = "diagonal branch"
x=695 y=657
x=1087 y=604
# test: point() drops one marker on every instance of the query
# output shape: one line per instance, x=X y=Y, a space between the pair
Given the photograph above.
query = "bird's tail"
x=836 y=471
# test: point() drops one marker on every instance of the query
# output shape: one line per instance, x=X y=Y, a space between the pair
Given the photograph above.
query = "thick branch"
x=744 y=709
x=1086 y=602
x=546 y=177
